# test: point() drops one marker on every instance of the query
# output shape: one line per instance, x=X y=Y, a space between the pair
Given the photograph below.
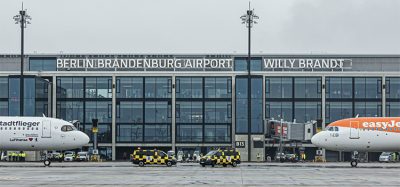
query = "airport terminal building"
x=198 y=101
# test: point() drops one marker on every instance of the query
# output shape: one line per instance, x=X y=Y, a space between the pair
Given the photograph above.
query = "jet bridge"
x=292 y=131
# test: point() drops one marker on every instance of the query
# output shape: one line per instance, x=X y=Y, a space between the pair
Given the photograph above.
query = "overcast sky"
x=203 y=26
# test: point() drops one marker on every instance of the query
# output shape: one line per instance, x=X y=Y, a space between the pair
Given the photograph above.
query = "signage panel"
x=306 y=63
x=240 y=144
x=140 y=63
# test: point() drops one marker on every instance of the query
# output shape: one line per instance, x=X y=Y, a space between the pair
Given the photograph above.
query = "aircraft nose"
x=316 y=139
x=85 y=138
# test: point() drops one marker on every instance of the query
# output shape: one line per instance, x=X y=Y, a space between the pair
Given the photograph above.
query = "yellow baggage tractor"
x=222 y=157
x=144 y=157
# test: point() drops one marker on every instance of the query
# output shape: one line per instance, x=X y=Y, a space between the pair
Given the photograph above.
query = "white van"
x=82 y=156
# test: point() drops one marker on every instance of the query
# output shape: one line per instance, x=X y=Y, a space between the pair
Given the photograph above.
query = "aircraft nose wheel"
x=46 y=163
x=353 y=163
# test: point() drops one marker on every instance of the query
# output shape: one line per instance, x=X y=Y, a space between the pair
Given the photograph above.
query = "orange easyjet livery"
x=364 y=134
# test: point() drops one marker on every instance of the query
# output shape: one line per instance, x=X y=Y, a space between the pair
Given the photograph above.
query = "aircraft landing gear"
x=47 y=163
x=354 y=163
x=354 y=159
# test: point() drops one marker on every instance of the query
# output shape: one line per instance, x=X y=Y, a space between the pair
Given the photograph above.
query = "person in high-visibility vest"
x=23 y=156
x=14 y=156
x=394 y=157
x=20 y=156
x=303 y=157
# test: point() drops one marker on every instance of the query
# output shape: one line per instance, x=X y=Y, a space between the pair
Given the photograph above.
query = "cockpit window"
x=333 y=129
x=67 y=128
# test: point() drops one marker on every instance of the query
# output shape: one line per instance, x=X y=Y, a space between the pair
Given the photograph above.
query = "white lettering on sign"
x=240 y=144
x=306 y=63
x=145 y=63
x=383 y=125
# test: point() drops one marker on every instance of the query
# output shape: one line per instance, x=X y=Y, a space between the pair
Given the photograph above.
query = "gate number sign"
x=240 y=144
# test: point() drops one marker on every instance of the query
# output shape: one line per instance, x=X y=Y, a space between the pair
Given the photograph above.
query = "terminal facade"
x=198 y=102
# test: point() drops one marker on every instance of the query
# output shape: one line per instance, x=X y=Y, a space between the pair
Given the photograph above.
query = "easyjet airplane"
x=364 y=134
x=39 y=134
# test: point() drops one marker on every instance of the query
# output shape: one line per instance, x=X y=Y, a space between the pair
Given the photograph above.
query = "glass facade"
x=279 y=87
x=98 y=87
x=203 y=109
x=203 y=104
x=242 y=110
x=242 y=118
x=4 y=96
x=338 y=110
x=339 y=87
x=70 y=87
x=158 y=87
x=130 y=87
x=187 y=87
x=36 y=96
x=392 y=96
x=240 y=64
x=367 y=88
x=351 y=96
x=144 y=110
x=84 y=99
x=393 y=109
x=293 y=98
x=42 y=64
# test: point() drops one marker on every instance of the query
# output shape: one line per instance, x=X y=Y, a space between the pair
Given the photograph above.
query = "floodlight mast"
x=249 y=19
x=23 y=19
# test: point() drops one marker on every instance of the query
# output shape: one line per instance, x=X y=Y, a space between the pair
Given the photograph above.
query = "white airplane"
x=39 y=134
x=364 y=134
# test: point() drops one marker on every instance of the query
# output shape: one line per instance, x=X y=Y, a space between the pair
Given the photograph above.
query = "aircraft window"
x=1 y=128
x=336 y=128
x=69 y=128
x=66 y=128
x=330 y=129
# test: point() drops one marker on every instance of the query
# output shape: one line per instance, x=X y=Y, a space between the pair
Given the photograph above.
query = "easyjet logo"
x=383 y=125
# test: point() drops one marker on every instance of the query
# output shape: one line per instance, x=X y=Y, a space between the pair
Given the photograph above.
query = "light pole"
x=249 y=19
x=22 y=19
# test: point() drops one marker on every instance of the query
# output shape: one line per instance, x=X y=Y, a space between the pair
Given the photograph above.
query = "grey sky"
x=203 y=26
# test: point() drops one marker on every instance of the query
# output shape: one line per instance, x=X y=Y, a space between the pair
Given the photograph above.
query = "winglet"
x=357 y=115
x=44 y=115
